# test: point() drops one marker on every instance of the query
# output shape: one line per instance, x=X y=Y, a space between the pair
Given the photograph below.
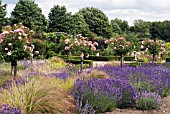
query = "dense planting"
x=95 y=90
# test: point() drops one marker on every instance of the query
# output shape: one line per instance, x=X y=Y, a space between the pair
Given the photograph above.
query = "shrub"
x=51 y=64
x=98 y=93
x=168 y=59
x=39 y=95
x=104 y=94
x=74 y=61
x=50 y=54
x=150 y=77
x=98 y=74
x=148 y=100
x=6 y=109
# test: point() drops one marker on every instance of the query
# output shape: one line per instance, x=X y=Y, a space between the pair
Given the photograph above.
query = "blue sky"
x=129 y=10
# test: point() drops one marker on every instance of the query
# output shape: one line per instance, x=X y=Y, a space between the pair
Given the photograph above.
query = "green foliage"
x=41 y=46
x=167 y=59
x=28 y=12
x=3 y=76
x=142 y=28
x=115 y=27
x=119 y=26
x=148 y=101
x=98 y=58
x=59 y=19
x=126 y=99
x=38 y=95
x=79 y=26
x=101 y=103
x=74 y=61
x=2 y=15
x=50 y=54
x=16 y=43
x=119 y=45
x=98 y=22
x=154 y=47
x=160 y=30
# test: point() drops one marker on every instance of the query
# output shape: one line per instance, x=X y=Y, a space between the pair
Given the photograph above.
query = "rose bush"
x=15 y=44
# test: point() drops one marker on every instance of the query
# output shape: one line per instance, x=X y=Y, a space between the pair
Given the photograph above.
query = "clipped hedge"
x=77 y=61
x=168 y=59
x=99 y=58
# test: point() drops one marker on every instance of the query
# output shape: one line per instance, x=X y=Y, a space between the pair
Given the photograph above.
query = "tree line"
x=88 y=21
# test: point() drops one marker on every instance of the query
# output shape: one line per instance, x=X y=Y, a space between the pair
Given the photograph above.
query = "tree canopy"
x=28 y=13
x=98 y=22
x=2 y=14
x=79 y=25
x=59 y=19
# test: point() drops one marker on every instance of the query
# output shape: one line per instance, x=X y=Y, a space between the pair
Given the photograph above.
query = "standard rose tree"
x=80 y=45
x=15 y=44
x=154 y=47
x=120 y=46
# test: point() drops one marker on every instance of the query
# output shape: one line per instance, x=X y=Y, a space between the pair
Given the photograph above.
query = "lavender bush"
x=6 y=109
x=104 y=94
x=148 y=100
x=150 y=78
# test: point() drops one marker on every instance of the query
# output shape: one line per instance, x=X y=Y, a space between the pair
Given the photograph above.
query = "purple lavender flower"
x=148 y=100
x=6 y=109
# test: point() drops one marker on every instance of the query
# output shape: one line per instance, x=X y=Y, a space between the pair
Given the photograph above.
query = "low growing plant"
x=148 y=101
x=36 y=96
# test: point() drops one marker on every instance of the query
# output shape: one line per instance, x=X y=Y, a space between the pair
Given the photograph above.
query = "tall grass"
x=37 y=96
x=52 y=64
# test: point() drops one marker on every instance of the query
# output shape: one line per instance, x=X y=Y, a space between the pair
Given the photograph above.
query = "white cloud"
x=129 y=10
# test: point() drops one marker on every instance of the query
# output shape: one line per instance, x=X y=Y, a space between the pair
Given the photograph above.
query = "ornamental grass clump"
x=148 y=101
x=98 y=74
x=37 y=95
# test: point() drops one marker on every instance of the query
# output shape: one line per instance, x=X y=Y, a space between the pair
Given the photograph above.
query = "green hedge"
x=77 y=61
x=99 y=58
x=109 y=58
x=168 y=59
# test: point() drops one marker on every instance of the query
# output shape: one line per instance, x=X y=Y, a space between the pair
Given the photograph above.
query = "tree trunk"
x=81 y=67
x=11 y=69
x=14 y=66
x=121 y=60
x=154 y=58
x=15 y=72
x=154 y=52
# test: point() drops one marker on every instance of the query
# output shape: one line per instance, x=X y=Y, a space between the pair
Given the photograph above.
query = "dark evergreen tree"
x=79 y=26
x=3 y=13
x=98 y=22
x=28 y=13
x=59 y=19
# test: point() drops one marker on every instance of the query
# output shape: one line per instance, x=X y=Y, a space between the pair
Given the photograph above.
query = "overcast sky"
x=129 y=10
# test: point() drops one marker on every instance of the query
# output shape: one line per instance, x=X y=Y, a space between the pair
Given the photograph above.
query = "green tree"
x=28 y=12
x=121 y=25
x=124 y=26
x=79 y=25
x=115 y=27
x=160 y=30
x=15 y=44
x=59 y=19
x=98 y=22
x=142 y=28
x=120 y=47
x=2 y=15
